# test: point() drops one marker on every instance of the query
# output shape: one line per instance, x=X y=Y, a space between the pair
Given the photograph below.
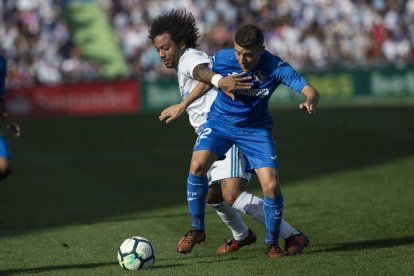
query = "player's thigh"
x=213 y=138
x=4 y=149
x=259 y=149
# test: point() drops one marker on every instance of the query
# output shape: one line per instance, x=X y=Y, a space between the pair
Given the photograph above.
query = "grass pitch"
x=80 y=186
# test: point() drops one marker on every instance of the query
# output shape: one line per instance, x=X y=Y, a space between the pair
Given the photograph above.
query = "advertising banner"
x=75 y=99
x=160 y=93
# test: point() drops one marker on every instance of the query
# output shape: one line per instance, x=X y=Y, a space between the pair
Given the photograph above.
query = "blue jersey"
x=3 y=64
x=4 y=150
x=250 y=107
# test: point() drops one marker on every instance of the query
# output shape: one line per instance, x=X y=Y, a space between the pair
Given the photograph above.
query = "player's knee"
x=5 y=169
x=230 y=198
x=232 y=188
x=214 y=195
x=198 y=167
x=271 y=189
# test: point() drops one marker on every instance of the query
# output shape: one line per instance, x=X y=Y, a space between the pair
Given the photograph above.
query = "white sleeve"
x=191 y=60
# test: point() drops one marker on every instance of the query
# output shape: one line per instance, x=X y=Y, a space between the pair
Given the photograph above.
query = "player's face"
x=248 y=57
x=169 y=51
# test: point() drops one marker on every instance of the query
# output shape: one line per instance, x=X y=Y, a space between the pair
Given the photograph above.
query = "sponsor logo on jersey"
x=259 y=76
x=256 y=92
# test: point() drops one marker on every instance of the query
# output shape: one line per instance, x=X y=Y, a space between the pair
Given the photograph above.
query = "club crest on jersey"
x=259 y=76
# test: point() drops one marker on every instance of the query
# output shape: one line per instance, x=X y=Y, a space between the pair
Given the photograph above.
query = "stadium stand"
x=316 y=35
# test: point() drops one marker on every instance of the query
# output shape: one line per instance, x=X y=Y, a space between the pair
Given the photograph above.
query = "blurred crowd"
x=37 y=43
x=309 y=34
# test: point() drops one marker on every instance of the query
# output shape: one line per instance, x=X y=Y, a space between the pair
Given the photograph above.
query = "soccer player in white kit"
x=168 y=33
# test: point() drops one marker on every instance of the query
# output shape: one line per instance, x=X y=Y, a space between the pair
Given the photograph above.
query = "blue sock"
x=197 y=188
x=273 y=209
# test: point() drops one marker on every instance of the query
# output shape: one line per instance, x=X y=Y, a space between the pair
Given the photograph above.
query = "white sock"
x=232 y=219
x=286 y=230
x=253 y=206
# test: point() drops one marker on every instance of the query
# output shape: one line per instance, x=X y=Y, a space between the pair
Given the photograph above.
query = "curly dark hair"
x=180 y=24
x=249 y=35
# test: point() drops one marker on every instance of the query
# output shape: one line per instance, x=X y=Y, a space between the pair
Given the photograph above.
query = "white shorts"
x=232 y=166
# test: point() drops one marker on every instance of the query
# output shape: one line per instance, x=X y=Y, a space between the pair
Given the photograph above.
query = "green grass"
x=82 y=185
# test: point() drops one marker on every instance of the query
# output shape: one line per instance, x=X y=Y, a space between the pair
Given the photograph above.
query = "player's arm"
x=13 y=126
x=175 y=111
x=312 y=99
x=203 y=73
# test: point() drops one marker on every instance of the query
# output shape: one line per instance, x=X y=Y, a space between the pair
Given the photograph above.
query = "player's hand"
x=310 y=104
x=171 y=113
x=312 y=100
x=14 y=127
x=235 y=82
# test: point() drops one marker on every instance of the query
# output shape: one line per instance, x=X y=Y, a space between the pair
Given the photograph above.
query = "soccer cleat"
x=274 y=251
x=233 y=245
x=295 y=244
x=191 y=238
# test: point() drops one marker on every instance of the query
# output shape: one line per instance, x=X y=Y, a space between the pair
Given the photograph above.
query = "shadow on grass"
x=95 y=168
x=53 y=268
x=65 y=267
x=365 y=245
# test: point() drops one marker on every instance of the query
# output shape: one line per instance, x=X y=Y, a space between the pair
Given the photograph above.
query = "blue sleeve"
x=221 y=61
x=3 y=71
x=288 y=76
x=216 y=62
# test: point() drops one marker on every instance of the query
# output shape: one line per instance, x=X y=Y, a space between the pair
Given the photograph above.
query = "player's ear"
x=182 y=45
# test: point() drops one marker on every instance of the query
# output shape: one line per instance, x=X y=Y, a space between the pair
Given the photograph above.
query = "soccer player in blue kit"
x=5 y=156
x=241 y=118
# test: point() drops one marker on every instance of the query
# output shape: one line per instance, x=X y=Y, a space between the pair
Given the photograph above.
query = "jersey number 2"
x=204 y=133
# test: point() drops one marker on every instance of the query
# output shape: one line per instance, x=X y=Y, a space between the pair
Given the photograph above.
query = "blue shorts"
x=4 y=149
x=257 y=145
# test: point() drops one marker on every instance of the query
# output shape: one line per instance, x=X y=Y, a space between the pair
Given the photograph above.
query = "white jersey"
x=197 y=111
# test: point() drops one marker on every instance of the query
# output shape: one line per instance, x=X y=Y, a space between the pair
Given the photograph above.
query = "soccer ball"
x=136 y=253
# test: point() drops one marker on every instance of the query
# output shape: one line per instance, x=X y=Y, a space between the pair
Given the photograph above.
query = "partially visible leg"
x=197 y=188
x=5 y=168
x=197 y=185
x=242 y=235
x=253 y=206
x=273 y=208
x=228 y=215
x=295 y=241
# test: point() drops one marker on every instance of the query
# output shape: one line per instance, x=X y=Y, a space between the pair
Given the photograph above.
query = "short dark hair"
x=249 y=35
x=179 y=24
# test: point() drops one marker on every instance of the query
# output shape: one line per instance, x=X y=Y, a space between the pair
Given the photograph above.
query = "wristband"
x=215 y=80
